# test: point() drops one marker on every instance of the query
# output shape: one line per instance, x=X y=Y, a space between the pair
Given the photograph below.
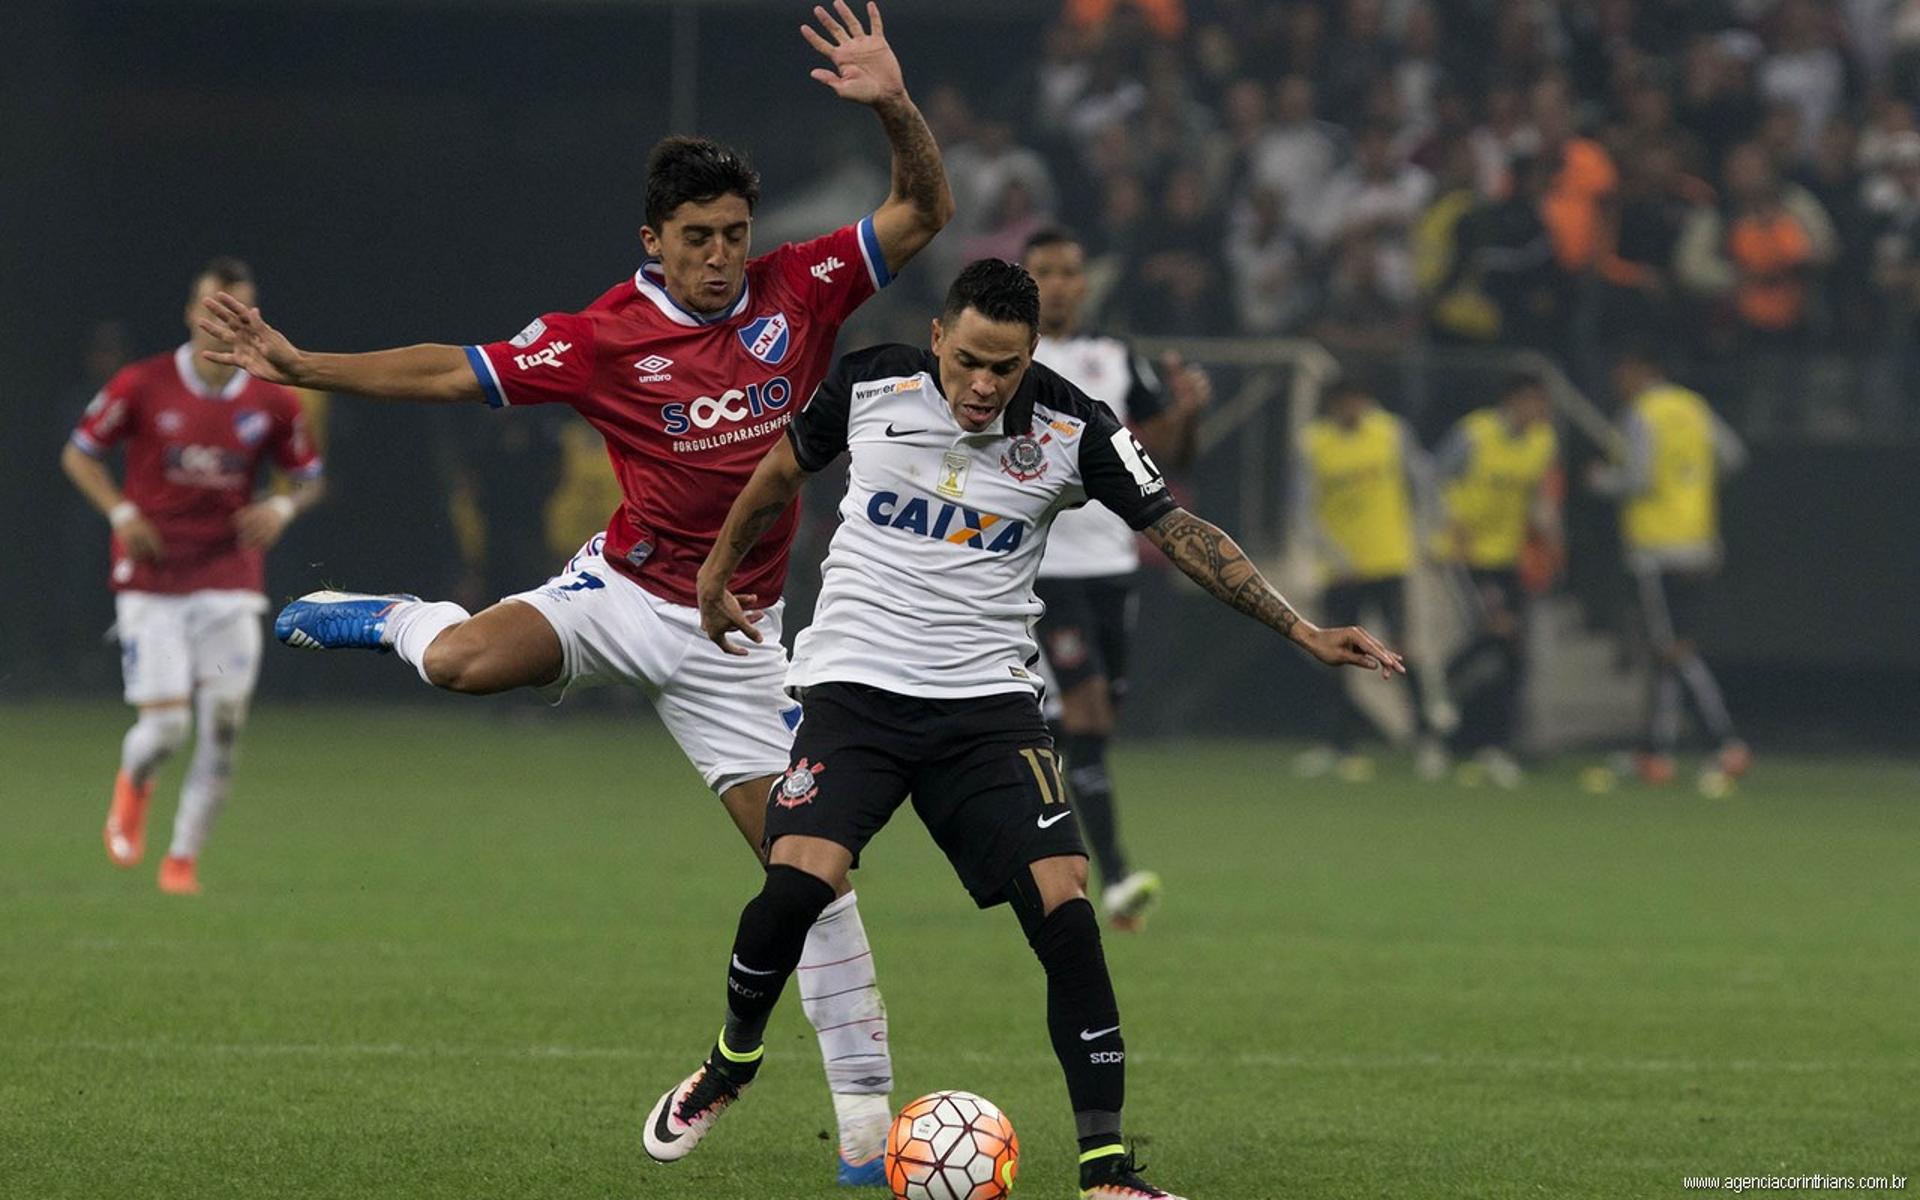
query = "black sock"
x=766 y=949
x=1083 y=1018
x=1093 y=801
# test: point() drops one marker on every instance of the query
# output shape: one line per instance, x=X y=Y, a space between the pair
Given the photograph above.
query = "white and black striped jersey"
x=927 y=587
x=1092 y=541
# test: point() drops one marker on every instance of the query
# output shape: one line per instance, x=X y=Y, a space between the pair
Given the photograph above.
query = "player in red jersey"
x=189 y=545
x=689 y=369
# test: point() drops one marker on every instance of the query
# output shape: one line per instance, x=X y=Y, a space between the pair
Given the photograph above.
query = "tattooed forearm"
x=1214 y=561
x=754 y=525
x=919 y=178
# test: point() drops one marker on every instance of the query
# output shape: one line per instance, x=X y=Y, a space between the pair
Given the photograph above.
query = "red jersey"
x=689 y=403
x=193 y=460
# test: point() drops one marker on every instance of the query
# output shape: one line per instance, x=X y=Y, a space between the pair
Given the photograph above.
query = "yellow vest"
x=1360 y=493
x=1492 y=498
x=1680 y=507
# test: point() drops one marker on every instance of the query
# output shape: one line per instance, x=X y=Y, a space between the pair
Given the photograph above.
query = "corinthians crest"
x=1024 y=459
x=798 y=785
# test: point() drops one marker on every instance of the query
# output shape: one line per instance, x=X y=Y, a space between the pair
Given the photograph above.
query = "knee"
x=453 y=660
x=169 y=727
x=222 y=718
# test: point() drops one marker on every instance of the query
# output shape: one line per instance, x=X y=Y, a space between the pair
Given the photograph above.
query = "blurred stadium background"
x=417 y=171
x=1459 y=994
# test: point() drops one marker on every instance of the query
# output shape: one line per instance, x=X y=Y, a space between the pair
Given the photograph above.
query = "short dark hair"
x=694 y=170
x=225 y=270
x=996 y=289
x=1343 y=387
x=1049 y=235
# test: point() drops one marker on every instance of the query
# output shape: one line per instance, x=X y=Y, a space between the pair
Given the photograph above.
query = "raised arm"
x=1210 y=558
x=775 y=482
x=865 y=71
x=425 y=372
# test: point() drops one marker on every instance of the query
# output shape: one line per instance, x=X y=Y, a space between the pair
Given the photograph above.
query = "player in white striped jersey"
x=917 y=673
x=1089 y=575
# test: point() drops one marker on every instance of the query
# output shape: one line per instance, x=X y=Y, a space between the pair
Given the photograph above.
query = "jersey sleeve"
x=548 y=362
x=819 y=432
x=293 y=449
x=109 y=418
x=1117 y=472
x=835 y=274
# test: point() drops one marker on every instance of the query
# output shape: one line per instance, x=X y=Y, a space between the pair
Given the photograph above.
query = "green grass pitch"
x=447 y=953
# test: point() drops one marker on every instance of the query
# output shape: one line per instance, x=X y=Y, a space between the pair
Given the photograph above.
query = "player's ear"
x=936 y=337
x=650 y=241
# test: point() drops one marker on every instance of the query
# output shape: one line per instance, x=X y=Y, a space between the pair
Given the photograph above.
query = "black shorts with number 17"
x=981 y=772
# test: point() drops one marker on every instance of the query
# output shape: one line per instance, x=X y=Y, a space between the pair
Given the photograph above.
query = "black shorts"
x=1382 y=600
x=981 y=772
x=1087 y=629
x=1670 y=603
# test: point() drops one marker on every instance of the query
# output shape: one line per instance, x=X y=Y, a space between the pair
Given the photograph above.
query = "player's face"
x=1529 y=407
x=1061 y=271
x=204 y=287
x=981 y=365
x=702 y=249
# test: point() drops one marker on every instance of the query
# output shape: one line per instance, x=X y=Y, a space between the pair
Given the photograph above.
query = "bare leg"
x=508 y=646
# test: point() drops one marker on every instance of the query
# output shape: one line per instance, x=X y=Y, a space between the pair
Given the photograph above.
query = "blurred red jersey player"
x=188 y=552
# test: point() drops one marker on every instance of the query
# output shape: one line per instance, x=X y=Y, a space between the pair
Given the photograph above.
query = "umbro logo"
x=823 y=271
x=653 y=368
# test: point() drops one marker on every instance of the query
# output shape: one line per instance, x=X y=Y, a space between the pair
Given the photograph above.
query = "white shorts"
x=728 y=712
x=171 y=646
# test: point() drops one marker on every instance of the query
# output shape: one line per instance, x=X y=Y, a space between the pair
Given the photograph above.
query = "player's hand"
x=864 y=68
x=1352 y=646
x=1191 y=387
x=141 y=539
x=251 y=344
x=722 y=613
x=260 y=525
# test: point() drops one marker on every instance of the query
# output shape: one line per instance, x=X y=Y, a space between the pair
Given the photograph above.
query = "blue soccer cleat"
x=872 y=1173
x=338 y=621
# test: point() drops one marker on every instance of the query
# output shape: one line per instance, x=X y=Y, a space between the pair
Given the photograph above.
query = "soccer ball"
x=951 y=1146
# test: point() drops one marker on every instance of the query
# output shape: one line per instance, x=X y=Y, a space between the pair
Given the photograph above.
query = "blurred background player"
x=188 y=553
x=1493 y=470
x=1358 y=476
x=688 y=369
x=1088 y=578
x=1676 y=451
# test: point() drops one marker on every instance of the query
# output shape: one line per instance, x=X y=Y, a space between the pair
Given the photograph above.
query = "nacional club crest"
x=1024 y=459
x=250 y=427
x=767 y=338
x=799 y=785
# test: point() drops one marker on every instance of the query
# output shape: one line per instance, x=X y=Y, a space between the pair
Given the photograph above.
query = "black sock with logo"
x=1083 y=1018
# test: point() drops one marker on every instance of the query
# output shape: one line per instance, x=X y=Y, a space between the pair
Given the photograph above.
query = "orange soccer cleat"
x=1654 y=768
x=178 y=876
x=1735 y=758
x=126 y=831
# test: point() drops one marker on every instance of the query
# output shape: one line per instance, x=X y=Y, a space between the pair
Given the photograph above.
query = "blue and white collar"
x=652 y=283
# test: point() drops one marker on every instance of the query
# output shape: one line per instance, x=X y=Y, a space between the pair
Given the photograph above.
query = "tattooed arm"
x=776 y=481
x=1214 y=561
x=865 y=71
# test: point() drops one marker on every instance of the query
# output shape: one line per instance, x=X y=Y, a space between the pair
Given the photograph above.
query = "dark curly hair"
x=694 y=170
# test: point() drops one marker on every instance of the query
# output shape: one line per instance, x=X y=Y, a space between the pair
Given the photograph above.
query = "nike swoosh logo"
x=892 y=432
x=1094 y=1035
x=744 y=969
x=1055 y=819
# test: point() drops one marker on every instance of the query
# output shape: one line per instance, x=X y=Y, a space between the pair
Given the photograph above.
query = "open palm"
x=251 y=344
x=864 y=68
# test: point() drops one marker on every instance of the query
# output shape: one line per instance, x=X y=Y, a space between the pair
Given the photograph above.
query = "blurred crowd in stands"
x=1737 y=181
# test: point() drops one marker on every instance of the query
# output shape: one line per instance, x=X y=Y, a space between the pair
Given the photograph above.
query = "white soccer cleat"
x=1431 y=760
x=864 y=1121
x=1128 y=901
x=684 y=1115
x=1502 y=771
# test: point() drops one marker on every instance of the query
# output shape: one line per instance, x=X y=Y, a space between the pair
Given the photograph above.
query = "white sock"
x=413 y=625
x=152 y=741
x=838 y=992
x=209 y=775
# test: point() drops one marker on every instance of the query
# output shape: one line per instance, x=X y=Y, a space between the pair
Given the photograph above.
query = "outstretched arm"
x=775 y=482
x=425 y=372
x=1214 y=561
x=865 y=71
